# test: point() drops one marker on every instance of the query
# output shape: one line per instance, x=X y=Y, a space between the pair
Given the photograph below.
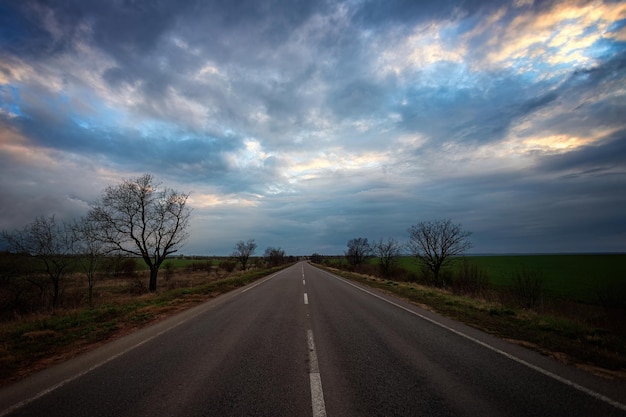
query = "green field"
x=186 y=262
x=578 y=277
x=181 y=262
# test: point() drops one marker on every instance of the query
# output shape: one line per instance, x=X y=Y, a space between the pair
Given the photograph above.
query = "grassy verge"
x=568 y=340
x=35 y=342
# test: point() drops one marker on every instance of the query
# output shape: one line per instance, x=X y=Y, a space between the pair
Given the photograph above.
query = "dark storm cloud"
x=134 y=33
x=605 y=158
x=411 y=11
x=508 y=211
x=205 y=155
x=358 y=98
x=611 y=69
x=475 y=115
x=329 y=120
x=121 y=27
x=584 y=104
x=471 y=114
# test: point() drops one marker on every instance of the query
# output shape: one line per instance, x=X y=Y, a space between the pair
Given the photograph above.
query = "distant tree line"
x=273 y=256
x=140 y=218
x=433 y=243
x=436 y=246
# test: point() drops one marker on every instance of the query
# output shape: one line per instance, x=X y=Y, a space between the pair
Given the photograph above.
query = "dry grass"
x=32 y=342
x=589 y=337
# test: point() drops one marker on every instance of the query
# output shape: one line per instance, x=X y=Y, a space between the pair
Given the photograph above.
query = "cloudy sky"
x=304 y=124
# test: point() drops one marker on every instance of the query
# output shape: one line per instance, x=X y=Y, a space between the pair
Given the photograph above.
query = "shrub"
x=128 y=268
x=612 y=295
x=399 y=273
x=120 y=266
x=168 y=267
x=317 y=258
x=470 y=278
x=527 y=287
x=366 y=269
x=427 y=277
x=136 y=284
x=200 y=266
x=412 y=276
x=228 y=266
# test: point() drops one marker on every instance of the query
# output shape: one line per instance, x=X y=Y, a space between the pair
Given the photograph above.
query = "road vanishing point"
x=304 y=342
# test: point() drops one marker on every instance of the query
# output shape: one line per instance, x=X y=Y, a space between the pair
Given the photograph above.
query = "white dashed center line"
x=317 y=395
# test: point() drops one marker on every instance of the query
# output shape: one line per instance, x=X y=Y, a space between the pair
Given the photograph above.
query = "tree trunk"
x=153 y=278
x=436 y=273
x=55 y=294
x=90 y=284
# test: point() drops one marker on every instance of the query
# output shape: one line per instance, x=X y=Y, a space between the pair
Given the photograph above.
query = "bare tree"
x=89 y=246
x=316 y=258
x=139 y=218
x=387 y=253
x=48 y=242
x=434 y=243
x=274 y=256
x=243 y=251
x=358 y=251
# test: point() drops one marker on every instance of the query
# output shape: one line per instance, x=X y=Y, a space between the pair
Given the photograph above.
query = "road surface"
x=303 y=342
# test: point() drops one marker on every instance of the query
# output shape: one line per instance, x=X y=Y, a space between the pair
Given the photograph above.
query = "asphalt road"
x=305 y=343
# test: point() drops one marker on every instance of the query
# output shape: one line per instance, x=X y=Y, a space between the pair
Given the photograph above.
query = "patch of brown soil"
x=604 y=373
x=567 y=360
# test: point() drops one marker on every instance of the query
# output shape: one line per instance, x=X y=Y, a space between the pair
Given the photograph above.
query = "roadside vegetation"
x=571 y=307
x=67 y=286
x=34 y=335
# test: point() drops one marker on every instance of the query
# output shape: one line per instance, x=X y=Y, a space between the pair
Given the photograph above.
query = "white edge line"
x=565 y=381
x=46 y=391
x=58 y=385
